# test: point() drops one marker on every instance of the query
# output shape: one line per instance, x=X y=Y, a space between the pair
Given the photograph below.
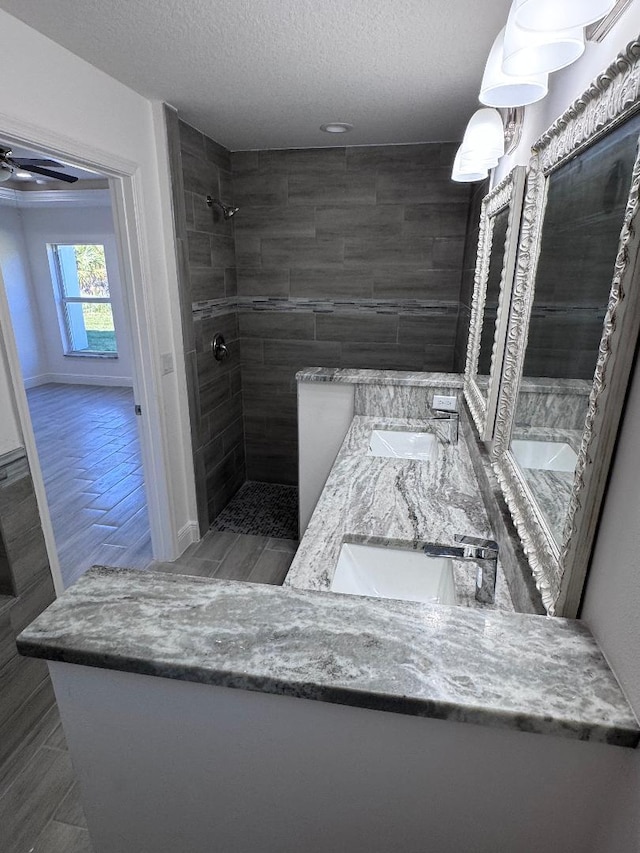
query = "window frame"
x=62 y=301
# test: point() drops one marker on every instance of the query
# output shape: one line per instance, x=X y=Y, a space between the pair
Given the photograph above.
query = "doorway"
x=66 y=301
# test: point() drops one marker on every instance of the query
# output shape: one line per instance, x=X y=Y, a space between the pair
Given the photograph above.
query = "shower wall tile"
x=200 y=167
x=327 y=243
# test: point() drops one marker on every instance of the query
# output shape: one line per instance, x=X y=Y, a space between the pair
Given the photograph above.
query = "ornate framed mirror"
x=573 y=329
x=495 y=264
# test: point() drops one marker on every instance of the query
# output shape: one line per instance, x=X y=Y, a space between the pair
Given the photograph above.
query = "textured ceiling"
x=267 y=73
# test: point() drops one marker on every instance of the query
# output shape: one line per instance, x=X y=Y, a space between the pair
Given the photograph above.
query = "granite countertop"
x=516 y=671
x=380 y=377
x=395 y=502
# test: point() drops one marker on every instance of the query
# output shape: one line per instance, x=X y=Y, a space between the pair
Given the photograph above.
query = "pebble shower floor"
x=263 y=509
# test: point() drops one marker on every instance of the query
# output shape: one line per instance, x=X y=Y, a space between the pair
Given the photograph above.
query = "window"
x=84 y=301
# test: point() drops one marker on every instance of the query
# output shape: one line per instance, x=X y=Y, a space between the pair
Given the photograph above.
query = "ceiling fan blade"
x=58 y=176
x=25 y=162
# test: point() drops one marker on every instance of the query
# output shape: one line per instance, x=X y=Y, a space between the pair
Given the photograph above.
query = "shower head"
x=227 y=210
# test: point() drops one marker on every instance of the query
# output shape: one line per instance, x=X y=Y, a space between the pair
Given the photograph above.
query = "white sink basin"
x=544 y=455
x=394 y=573
x=403 y=445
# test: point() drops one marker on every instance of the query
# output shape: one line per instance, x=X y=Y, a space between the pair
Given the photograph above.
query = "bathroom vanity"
x=250 y=717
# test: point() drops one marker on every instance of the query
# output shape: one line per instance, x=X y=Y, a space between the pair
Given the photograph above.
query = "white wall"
x=16 y=272
x=63 y=104
x=248 y=771
x=44 y=225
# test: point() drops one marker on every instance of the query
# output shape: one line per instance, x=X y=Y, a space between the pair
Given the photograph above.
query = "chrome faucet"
x=449 y=418
x=484 y=552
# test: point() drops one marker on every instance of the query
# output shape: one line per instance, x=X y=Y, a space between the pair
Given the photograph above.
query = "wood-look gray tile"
x=244 y=163
x=301 y=252
x=222 y=251
x=214 y=546
x=351 y=327
x=271 y=567
x=301 y=354
x=187 y=566
x=199 y=249
x=276 y=325
x=259 y=282
x=418 y=186
x=435 y=220
x=25 y=733
x=242 y=557
x=63 y=838
x=371 y=253
x=30 y=802
x=217 y=153
x=288 y=545
x=393 y=283
x=190 y=139
x=447 y=252
x=389 y=357
x=359 y=220
x=56 y=739
x=320 y=283
x=303 y=161
x=436 y=329
x=70 y=810
x=347 y=188
x=394 y=157
x=260 y=189
x=277 y=221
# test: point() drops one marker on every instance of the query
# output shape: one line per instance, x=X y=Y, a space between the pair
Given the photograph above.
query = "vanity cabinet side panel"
x=325 y=412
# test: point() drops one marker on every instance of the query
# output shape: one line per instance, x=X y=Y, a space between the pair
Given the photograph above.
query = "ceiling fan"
x=9 y=165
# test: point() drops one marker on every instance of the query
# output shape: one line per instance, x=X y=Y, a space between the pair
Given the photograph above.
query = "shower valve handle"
x=219 y=348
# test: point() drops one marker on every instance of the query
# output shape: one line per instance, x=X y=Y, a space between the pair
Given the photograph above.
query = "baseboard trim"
x=187 y=535
x=77 y=379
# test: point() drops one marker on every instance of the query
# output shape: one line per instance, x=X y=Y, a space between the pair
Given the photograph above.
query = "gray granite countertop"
x=394 y=502
x=380 y=377
x=529 y=673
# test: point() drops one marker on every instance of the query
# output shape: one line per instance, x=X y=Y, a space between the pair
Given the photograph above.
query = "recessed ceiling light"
x=336 y=127
x=23 y=175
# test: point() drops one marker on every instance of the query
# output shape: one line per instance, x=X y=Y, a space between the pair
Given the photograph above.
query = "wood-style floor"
x=88 y=448
x=87 y=441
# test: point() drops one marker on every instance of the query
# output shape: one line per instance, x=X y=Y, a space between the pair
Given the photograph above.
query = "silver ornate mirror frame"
x=560 y=572
x=506 y=195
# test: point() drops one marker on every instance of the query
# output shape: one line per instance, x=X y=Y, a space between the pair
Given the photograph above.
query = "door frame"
x=125 y=184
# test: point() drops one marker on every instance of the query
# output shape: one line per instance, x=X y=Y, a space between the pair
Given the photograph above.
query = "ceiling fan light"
x=6 y=172
x=545 y=15
x=503 y=90
x=527 y=52
x=464 y=172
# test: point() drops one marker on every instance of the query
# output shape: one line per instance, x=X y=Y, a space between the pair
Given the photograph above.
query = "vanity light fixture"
x=545 y=15
x=504 y=90
x=483 y=139
x=336 y=127
x=531 y=52
x=464 y=172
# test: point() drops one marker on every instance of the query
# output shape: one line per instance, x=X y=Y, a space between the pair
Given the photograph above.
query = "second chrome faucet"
x=483 y=552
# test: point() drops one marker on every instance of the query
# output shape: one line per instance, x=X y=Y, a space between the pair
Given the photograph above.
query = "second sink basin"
x=544 y=455
x=403 y=445
x=394 y=573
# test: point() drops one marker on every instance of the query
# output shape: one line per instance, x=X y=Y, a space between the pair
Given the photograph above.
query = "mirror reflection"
x=500 y=223
x=584 y=214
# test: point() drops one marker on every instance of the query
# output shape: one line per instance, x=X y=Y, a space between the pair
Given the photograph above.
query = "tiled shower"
x=338 y=257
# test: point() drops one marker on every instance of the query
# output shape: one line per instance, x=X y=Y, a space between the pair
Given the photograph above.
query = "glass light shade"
x=528 y=52
x=503 y=90
x=545 y=15
x=464 y=172
x=6 y=173
x=484 y=137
